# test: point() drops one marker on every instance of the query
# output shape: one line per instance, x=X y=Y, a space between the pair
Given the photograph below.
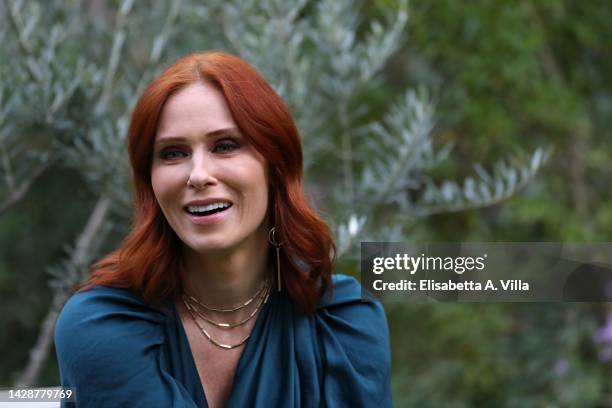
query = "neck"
x=226 y=278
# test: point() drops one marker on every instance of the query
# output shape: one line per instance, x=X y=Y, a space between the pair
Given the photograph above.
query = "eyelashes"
x=226 y=146
x=170 y=153
x=221 y=147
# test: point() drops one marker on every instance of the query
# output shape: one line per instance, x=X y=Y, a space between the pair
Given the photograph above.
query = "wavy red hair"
x=149 y=258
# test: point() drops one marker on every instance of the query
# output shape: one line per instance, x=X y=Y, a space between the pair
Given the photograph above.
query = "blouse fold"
x=116 y=351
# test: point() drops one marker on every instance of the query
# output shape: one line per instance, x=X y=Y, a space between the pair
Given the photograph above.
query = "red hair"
x=149 y=258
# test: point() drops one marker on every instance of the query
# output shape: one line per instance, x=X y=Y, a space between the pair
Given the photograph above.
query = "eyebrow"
x=214 y=133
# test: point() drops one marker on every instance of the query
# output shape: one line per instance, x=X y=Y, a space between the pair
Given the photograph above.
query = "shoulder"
x=105 y=308
x=355 y=340
x=105 y=322
x=105 y=299
x=346 y=299
x=108 y=344
x=100 y=298
x=344 y=288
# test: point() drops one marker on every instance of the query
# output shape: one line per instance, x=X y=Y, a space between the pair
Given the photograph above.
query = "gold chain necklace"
x=231 y=309
x=192 y=312
x=196 y=308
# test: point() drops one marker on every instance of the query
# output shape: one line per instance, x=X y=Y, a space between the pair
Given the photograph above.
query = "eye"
x=226 y=146
x=171 y=153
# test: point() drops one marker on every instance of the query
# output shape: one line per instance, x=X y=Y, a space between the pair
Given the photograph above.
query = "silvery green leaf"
x=485 y=192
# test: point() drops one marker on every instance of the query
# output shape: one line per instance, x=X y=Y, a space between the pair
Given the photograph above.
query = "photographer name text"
x=516 y=285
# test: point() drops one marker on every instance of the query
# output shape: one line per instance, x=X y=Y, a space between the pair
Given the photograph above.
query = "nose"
x=202 y=172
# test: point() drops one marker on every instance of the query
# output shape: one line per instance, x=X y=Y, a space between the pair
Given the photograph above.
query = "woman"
x=222 y=293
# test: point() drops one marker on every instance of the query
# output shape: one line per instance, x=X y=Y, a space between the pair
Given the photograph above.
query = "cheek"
x=157 y=186
x=254 y=187
x=164 y=185
x=261 y=193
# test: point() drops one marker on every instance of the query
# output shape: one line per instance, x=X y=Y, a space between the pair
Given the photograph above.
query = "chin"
x=203 y=247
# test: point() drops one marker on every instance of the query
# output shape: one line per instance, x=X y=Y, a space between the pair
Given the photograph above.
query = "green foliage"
x=511 y=74
x=33 y=236
x=507 y=78
x=492 y=355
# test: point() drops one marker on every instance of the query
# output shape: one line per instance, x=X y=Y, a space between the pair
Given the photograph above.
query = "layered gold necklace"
x=199 y=310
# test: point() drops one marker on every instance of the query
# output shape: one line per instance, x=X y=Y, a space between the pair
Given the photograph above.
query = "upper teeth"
x=208 y=207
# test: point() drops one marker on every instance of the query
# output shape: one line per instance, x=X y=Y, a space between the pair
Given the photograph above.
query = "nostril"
x=197 y=185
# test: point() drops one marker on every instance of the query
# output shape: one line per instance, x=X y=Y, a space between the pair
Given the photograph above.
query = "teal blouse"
x=116 y=351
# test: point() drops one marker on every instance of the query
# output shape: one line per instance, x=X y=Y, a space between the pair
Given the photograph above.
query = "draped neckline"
x=246 y=352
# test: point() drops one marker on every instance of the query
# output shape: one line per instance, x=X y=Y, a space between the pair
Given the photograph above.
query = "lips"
x=209 y=209
x=209 y=218
x=207 y=201
x=206 y=211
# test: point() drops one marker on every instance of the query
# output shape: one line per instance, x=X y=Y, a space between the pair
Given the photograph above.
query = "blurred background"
x=486 y=120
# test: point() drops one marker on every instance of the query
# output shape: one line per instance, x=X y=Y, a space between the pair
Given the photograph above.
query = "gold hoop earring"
x=277 y=245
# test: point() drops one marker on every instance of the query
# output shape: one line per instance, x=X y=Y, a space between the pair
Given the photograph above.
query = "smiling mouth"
x=204 y=211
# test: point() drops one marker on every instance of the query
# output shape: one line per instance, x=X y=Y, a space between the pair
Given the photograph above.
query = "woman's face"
x=226 y=201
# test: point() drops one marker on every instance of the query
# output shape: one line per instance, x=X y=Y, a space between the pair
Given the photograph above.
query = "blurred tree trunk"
x=80 y=258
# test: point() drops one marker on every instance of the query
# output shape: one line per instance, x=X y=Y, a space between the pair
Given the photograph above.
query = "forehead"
x=198 y=108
